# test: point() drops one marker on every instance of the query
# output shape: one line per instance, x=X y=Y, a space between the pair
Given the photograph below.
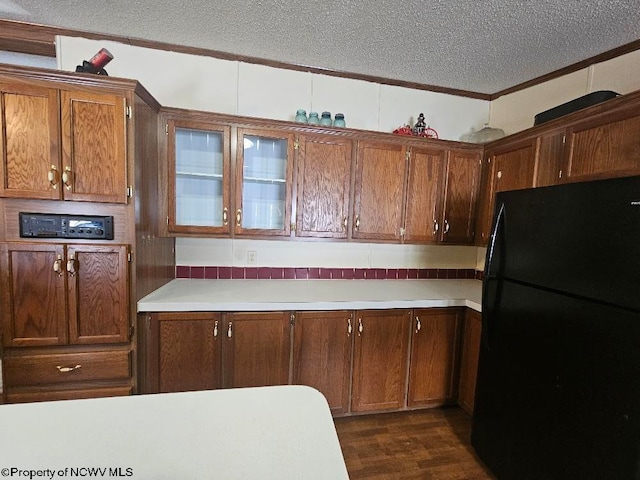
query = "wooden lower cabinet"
x=361 y=361
x=189 y=348
x=469 y=359
x=434 y=356
x=203 y=351
x=65 y=321
x=257 y=349
x=322 y=355
x=380 y=360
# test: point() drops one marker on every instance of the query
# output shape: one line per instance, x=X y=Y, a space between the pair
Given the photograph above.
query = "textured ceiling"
x=478 y=46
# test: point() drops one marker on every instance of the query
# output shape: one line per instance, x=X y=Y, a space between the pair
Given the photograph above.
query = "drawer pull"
x=68 y=369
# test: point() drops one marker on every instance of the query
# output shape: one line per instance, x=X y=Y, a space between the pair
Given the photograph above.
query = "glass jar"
x=325 y=120
x=313 y=118
x=338 y=121
x=301 y=116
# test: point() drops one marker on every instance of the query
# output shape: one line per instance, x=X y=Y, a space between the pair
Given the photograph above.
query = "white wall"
x=227 y=252
x=205 y=83
x=515 y=112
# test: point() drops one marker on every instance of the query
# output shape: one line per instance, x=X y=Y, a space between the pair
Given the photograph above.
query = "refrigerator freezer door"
x=580 y=238
x=558 y=389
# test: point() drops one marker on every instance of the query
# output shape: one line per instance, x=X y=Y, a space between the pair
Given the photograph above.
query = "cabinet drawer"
x=24 y=397
x=68 y=367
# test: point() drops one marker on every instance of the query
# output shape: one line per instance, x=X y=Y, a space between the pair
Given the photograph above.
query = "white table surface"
x=282 y=433
x=271 y=295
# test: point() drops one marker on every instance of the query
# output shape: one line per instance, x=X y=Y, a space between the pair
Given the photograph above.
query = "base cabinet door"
x=434 y=356
x=469 y=359
x=189 y=349
x=380 y=360
x=322 y=355
x=256 y=349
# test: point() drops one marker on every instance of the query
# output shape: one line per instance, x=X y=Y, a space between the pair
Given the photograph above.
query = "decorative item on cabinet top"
x=97 y=63
x=485 y=135
x=420 y=129
x=313 y=273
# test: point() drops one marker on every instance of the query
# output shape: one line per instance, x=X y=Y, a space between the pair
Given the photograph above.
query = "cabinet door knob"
x=71 y=265
x=349 y=328
x=68 y=369
x=57 y=265
x=53 y=176
x=230 y=330
x=357 y=222
x=239 y=217
x=215 y=329
x=360 y=328
x=418 y=324
x=446 y=227
x=225 y=216
x=344 y=222
x=436 y=227
x=66 y=177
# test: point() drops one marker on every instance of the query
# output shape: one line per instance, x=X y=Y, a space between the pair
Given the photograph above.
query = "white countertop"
x=282 y=433
x=188 y=295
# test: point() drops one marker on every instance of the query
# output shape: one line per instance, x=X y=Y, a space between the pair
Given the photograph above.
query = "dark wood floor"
x=425 y=444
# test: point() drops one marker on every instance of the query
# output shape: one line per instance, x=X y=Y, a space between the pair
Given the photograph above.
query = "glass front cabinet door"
x=263 y=182
x=199 y=167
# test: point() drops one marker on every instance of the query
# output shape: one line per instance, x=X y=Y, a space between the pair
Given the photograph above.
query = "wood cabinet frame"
x=171 y=126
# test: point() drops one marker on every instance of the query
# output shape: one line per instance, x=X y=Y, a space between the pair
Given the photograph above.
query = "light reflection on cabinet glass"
x=199 y=177
x=264 y=182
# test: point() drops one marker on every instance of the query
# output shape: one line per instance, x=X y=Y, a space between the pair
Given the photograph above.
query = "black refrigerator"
x=558 y=388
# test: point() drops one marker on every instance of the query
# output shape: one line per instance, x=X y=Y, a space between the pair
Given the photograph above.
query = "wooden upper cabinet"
x=65 y=145
x=423 y=216
x=94 y=151
x=30 y=148
x=189 y=351
x=603 y=148
x=256 y=349
x=380 y=359
x=264 y=177
x=433 y=371
x=98 y=284
x=322 y=355
x=379 y=191
x=461 y=191
x=33 y=294
x=550 y=159
x=511 y=167
x=198 y=161
x=323 y=183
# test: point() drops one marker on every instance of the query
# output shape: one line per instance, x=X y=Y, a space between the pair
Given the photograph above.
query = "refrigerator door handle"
x=486 y=309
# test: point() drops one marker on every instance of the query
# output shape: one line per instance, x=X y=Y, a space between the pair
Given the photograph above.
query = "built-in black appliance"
x=49 y=225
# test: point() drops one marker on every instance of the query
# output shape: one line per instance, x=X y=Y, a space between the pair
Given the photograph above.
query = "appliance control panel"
x=52 y=225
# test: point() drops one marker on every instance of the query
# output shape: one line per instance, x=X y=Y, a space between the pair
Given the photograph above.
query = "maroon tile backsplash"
x=304 y=273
